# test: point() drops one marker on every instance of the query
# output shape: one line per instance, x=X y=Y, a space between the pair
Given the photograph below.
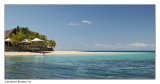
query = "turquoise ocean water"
x=101 y=65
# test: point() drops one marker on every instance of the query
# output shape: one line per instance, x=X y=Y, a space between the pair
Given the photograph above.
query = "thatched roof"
x=8 y=32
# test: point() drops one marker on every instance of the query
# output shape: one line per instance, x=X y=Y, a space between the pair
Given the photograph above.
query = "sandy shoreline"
x=61 y=53
x=48 y=53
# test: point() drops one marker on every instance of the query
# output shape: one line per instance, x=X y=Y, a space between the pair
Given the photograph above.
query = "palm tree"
x=24 y=33
x=51 y=43
x=16 y=38
x=43 y=37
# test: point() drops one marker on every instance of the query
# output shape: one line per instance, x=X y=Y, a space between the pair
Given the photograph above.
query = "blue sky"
x=88 y=27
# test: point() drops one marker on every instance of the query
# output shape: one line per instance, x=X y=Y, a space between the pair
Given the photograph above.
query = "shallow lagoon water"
x=109 y=65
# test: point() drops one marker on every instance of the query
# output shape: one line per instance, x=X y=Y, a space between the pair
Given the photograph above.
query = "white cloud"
x=86 y=21
x=138 y=45
x=98 y=44
x=151 y=45
x=141 y=46
x=73 y=24
x=134 y=46
x=78 y=23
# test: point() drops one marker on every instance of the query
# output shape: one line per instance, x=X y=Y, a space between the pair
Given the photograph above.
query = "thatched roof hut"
x=8 y=32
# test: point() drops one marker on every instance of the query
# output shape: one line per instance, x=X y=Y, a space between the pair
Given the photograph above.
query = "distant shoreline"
x=121 y=51
x=64 y=52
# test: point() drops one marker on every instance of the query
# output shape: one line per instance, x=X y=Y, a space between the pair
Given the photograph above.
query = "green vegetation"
x=24 y=33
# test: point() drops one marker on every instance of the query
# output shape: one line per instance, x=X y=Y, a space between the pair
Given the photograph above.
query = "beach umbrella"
x=8 y=40
x=25 y=41
x=37 y=40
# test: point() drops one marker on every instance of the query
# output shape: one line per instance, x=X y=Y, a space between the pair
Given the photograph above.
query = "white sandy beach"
x=48 y=53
